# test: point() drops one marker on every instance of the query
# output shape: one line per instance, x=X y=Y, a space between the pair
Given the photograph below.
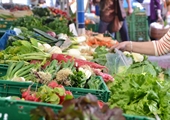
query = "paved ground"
x=163 y=61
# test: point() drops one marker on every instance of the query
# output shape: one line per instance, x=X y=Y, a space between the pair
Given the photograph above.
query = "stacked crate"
x=137 y=27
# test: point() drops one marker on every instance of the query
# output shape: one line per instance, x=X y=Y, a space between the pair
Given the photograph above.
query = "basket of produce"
x=76 y=82
x=15 y=109
x=22 y=97
x=158 y=30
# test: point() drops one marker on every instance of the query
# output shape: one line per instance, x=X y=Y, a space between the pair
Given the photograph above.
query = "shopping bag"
x=4 y=38
x=117 y=62
x=115 y=25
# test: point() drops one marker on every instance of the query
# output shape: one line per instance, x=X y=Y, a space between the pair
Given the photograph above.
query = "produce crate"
x=102 y=94
x=141 y=35
x=137 y=27
x=20 y=110
x=92 y=27
x=3 y=69
x=10 y=88
x=132 y=117
x=13 y=88
x=5 y=25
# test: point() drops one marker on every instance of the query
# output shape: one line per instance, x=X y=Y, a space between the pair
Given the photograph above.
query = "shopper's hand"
x=120 y=46
x=160 y=19
x=130 y=11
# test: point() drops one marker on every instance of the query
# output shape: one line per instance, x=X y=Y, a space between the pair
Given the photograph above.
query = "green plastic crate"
x=92 y=27
x=20 y=110
x=10 y=88
x=141 y=36
x=13 y=88
x=133 y=117
x=3 y=69
x=102 y=94
x=5 y=25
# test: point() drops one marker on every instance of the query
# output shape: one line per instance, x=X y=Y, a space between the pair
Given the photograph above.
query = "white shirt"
x=146 y=5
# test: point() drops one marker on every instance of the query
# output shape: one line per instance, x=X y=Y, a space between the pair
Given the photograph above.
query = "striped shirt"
x=162 y=46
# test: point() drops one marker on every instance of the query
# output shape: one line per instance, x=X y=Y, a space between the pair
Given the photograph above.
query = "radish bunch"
x=53 y=93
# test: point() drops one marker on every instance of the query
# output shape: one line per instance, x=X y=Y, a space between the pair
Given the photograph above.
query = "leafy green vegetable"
x=49 y=95
x=78 y=79
x=83 y=108
x=100 y=55
x=144 y=67
x=60 y=25
x=94 y=83
x=140 y=94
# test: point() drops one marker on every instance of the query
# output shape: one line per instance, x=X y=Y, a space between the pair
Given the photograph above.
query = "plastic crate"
x=20 y=110
x=141 y=36
x=5 y=25
x=3 y=69
x=133 y=117
x=10 y=88
x=92 y=27
x=102 y=94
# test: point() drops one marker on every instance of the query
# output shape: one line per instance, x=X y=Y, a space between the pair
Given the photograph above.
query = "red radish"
x=35 y=98
x=26 y=93
x=61 y=86
x=68 y=93
x=29 y=98
x=100 y=103
x=62 y=97
x=53 y=84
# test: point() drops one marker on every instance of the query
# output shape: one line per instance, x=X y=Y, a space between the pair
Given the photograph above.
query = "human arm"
x=138 y=47
x=158 y=8
x=156 y=48
x=130 y=10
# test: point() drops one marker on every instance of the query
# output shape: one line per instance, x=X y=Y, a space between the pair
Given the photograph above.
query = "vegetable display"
x=84 y=108
x=53 y=93
x=140 y=94
x=43 y=72
x=46 y=53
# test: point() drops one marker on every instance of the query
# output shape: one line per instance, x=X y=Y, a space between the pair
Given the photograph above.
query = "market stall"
x=47 y=71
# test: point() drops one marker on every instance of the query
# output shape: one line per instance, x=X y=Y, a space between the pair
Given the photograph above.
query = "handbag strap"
x=115 y=7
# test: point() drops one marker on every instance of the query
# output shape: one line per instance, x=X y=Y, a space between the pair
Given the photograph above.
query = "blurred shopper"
x=106 y=16
x=156 y=47
x=153 y=10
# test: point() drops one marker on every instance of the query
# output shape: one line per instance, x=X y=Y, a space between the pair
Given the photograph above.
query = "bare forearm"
x=129 y=3
x=141 y=47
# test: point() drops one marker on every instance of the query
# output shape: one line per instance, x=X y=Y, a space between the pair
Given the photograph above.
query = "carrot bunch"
x=100 y=40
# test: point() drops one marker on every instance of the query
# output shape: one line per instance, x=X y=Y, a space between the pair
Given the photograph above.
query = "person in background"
x=42 y=3
x=107 y=9
x=153 y=10
x=156 y=47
